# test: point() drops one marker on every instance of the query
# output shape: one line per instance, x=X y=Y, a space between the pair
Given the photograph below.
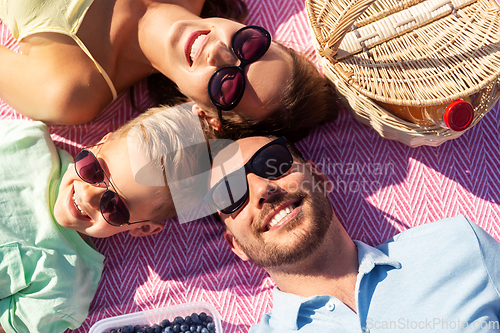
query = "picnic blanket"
x=381 y=187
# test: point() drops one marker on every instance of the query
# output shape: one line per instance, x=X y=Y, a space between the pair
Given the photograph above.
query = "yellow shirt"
x=28 y=17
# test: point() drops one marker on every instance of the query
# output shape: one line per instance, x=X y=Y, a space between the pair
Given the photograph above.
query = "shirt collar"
x=369 y=257
x=287 y=306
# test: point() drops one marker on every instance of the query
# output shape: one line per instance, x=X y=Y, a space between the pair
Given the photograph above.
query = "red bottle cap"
x=458 y=115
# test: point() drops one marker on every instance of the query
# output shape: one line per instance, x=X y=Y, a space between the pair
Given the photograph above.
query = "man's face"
x=284 y=220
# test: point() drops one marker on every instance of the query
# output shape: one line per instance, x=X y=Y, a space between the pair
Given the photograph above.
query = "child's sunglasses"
x=231 y=192
x=227 y=84
x=112 y=207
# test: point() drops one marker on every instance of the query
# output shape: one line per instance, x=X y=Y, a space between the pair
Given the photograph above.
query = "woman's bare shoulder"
x=53 y=80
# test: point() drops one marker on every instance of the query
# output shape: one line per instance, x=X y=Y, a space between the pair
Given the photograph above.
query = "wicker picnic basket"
x=409 y=53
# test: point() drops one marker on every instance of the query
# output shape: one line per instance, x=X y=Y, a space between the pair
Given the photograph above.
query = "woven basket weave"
x=409 y=53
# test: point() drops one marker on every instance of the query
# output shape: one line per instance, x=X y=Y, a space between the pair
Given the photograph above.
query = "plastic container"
x=155 y=316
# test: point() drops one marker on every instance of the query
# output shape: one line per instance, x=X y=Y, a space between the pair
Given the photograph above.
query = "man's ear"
x=234 y=246
x=146 y=229
x=203 y=115
x=328 y=185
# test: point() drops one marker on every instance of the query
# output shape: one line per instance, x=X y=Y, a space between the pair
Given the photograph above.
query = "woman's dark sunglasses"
x=227 y=84
x=112 y=207
x=231 y=192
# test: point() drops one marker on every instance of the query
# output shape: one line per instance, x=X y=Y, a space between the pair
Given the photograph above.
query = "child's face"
x=76 y=196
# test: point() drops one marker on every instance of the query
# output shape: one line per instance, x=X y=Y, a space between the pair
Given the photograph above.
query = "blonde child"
x=51 y=206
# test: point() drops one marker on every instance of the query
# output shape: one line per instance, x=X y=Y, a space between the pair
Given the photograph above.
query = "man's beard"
x=306 y=240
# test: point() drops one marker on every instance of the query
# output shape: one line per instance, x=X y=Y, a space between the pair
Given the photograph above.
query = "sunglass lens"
x=226 y=86
x=231 y=193
x=272 y=162
x=250 y=44
x=113 y=209
x=88 y=168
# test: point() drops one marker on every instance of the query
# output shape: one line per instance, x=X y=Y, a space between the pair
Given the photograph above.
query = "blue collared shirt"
x=437 y=277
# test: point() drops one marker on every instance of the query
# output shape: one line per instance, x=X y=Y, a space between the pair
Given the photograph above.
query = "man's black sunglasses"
x=230 y=193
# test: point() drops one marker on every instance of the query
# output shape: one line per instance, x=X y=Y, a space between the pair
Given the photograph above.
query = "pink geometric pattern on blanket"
x=380 y=188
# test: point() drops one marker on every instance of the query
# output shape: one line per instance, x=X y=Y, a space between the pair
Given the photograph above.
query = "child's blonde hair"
x=167 y=148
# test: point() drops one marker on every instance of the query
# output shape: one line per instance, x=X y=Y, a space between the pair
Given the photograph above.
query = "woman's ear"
x=146 y=229
x=203 y=115
x=234 y=246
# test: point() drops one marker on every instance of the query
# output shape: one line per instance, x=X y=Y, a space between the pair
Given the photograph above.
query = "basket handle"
x=344 y=26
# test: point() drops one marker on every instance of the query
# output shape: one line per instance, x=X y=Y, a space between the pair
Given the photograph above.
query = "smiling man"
x=441 y=276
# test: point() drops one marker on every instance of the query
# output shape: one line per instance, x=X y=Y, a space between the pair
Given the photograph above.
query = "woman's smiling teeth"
x=196 y=45
x=78 y=207
x=280 y=215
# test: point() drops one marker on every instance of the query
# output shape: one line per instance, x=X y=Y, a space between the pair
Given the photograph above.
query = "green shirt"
x=48 y=273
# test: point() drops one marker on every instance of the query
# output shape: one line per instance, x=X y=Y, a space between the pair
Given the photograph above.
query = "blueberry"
x=113 y=331
x=187 y=320
x=195 y=318
x=156 y=328
x=178 y=320
x=211 y=326
x=127 y=329
x=209 y=319
x=211 y=331
x=199 y=328
x=204 y=330
x=168 y=329
x=176 y=328
x=203 y=316
x=165 y=322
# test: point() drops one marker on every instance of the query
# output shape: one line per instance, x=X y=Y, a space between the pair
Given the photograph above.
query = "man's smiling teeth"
x=78 y=207
x=196 y=44
x=280 y=215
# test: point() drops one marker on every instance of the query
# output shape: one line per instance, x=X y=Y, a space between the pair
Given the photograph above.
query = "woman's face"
x=77 y=204
x=191 y=64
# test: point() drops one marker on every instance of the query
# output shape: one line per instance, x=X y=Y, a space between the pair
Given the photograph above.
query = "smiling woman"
x=77 y=66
